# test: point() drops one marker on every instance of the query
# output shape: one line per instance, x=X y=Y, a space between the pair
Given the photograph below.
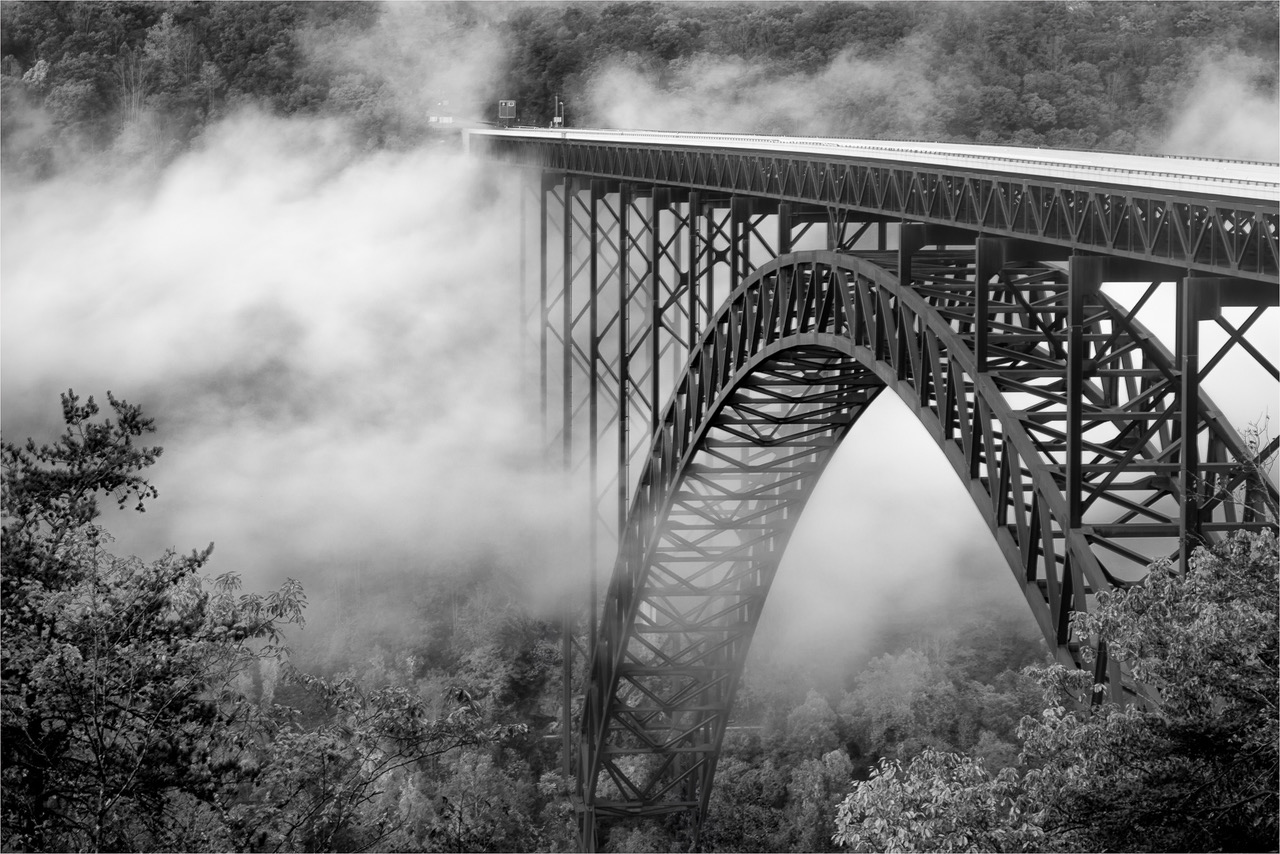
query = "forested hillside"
x=1122 y=76
x=251 y=217
x=153 y=706
x=1127 y=76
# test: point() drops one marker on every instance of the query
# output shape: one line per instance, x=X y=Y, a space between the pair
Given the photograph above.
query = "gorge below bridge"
x=712 y=314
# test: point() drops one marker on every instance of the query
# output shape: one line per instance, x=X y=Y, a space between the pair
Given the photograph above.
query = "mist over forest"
x=247 y=220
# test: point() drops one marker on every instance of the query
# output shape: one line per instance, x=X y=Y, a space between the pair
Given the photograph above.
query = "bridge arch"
x=775 y=382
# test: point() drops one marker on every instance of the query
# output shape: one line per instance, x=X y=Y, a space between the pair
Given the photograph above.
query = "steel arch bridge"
x=713 y=315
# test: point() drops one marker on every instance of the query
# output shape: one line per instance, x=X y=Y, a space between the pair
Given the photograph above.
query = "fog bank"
x=324 y=337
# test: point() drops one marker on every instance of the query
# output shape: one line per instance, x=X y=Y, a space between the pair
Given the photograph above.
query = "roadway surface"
x=1234 y=179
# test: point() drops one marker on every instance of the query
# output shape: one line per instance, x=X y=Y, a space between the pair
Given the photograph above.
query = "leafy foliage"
x=938 y=801
x=779 y=783
x=319 y=788
x=1195 y=770
x=118 y=676
x=138 y=706
x=1192 y=769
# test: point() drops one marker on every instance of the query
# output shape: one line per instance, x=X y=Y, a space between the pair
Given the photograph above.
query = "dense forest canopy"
x=282 y=289
x=438 y=733
x=1169 y=77
x=149 y=707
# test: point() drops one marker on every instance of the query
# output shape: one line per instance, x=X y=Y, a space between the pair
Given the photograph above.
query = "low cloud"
x=890 y=539
x=886 y=96
x=324 y=337
x=1230 y=111
x=328 y=341
x=421 y=58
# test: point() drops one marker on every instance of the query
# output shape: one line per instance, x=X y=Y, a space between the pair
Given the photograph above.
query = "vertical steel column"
x=1188 y=362
x=586 y=830
x=709 y=237
x=624 y=352
x=739 y=225
x=679 y=342
x=658 y=203
x=784 y=228
x=692 y=276
x=566 y=305
x=593 y=414
x=523 y=331
x=988 y=262
x=911 y=239
x=547 y=183
x=566 y=627
x=739 y=246
x=1085 y=276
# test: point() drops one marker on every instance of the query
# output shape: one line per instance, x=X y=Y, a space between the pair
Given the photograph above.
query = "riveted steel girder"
x=1209 y=234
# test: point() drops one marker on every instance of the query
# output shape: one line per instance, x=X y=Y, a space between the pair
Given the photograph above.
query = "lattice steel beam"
x=1210 y=234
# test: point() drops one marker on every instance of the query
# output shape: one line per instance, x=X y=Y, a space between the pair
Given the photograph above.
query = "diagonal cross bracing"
x=704 y=387
x=1213 y=220
x=733 y=465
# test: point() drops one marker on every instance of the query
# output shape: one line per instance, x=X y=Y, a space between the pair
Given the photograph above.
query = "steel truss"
x=1213 y=235
x=1069 y=432
x=1088 y=447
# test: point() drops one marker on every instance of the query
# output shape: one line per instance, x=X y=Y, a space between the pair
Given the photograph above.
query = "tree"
x=937 y=802
x=484 y=806
x=811 y=728
x=1191 y=769
x=1196 y=768
x=813 y=794
x=119 y=704
x=746 y=808
x=901 y=703
x=324 y=786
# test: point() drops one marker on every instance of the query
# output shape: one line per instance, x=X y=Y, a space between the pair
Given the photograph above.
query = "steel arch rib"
x=777 y=379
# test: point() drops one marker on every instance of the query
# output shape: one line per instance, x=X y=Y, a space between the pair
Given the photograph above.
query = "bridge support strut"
x=700 y=421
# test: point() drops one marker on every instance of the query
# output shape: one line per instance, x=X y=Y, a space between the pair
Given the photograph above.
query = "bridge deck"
x=1258 y=182
x=1216 y=217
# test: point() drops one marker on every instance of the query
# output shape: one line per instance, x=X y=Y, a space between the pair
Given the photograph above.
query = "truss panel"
x=1212 y=234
